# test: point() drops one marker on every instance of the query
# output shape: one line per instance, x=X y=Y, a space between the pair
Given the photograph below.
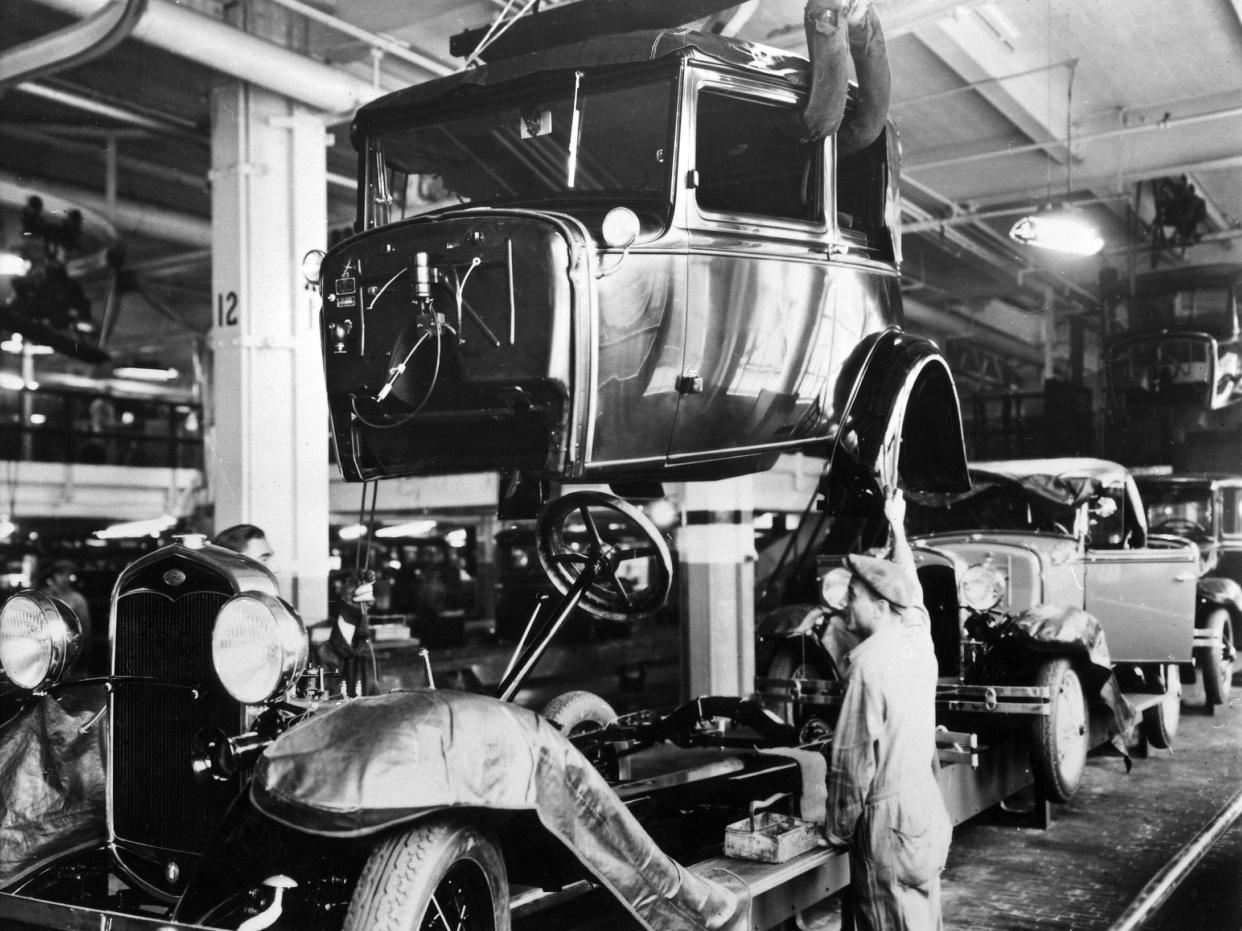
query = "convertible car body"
x=1048 y=596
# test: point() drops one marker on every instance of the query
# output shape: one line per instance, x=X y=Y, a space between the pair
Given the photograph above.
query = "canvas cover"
x=1055 y=628
x=57 y=771
x=375 y=763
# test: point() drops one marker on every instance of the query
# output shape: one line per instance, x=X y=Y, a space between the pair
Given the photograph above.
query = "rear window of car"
x=1231 y=516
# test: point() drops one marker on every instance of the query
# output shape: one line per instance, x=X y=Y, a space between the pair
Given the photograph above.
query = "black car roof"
x=600 y=51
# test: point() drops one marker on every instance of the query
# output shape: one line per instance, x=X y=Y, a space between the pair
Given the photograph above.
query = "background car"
x=1207 y=510
x=1049 y=599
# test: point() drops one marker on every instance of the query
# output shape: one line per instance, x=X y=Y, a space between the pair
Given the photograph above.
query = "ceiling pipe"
x=156 y=222
x=231 y=51
x=382 y=43
x=95 y=35
x=165 y=125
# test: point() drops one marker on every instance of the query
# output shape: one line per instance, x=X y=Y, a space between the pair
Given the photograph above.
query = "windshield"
x=578 y=140
x=1177 y=509
x=989 y=505
x=1207 y=308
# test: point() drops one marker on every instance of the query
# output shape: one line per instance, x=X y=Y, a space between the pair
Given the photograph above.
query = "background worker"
x=884 y=803
x=60 y=585
x=246 y=539
x=346 y=654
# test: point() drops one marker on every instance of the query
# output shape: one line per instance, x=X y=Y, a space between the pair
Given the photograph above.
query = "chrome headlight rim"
x=834 y=588
x=282 y=638
x=58 y=640
x=981 y=587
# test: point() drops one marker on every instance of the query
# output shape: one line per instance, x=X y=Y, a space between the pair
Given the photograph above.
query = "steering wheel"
x=1179 y=526
x=591 y=531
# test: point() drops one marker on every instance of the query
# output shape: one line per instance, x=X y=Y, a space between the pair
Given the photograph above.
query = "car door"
x=1143 y=596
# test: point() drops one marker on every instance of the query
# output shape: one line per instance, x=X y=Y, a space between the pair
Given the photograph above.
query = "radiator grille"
x=155 y=797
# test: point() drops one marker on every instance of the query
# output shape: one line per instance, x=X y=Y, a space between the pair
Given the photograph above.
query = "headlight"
x=39 y=639
x=981 y=587
x=258 y=646
x=311 y=263
x=834 y=588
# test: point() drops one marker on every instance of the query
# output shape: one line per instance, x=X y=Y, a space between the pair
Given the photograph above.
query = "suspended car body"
x=616 y=261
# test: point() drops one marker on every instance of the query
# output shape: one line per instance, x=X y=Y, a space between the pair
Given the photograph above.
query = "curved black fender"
x=788 y=621
x=900 y=416
x=1218 y=592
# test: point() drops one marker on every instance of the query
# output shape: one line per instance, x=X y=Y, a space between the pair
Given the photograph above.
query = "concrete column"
x=716 y=550
x=267 y=442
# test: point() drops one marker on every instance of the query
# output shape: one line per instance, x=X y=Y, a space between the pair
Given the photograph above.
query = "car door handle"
x=1185 y=577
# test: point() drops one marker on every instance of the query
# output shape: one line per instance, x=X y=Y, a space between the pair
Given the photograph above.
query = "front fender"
x=900 y=417
x=1066 y=631
x=789 y=621
x=1218 y=591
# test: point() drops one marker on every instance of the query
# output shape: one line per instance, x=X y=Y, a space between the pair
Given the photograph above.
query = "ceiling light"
x=138 y=528
x=145 y=373
x=416 y=528
x=352 y=532
x=16 y=345
x=1063 y=230
x=13 y=265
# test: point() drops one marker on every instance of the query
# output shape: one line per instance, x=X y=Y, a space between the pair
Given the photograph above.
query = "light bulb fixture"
x=145 y=373
x=138 y=528
x=415 y=528
x=352 y=532
x=1061 y=230
x=1064 y=230
x=13 y=265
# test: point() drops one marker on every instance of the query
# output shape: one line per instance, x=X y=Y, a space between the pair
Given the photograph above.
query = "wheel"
x=1160 y=721
x=1216 y=663
x=629 y=565
x=441 y=874
x=580 y=713
x=791 y=659
x=1059 y=739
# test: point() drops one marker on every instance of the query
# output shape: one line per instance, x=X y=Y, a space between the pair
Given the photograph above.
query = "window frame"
x=749 y=88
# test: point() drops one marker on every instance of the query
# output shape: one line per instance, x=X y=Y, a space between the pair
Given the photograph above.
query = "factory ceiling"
x=1003 y=107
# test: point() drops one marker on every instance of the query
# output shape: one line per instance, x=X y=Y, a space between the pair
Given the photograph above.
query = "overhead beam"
x=974 y=47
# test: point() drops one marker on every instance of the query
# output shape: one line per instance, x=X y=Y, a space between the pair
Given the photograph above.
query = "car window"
x=750 y=159
x=1231 y=512
x=861 y=185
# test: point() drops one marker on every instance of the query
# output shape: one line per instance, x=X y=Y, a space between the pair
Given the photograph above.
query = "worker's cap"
x=882 y=577
x=64 y=565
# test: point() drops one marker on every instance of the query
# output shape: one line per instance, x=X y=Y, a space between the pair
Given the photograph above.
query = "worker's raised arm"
x=901 y=555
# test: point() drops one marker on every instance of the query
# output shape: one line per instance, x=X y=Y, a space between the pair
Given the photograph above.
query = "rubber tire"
x=1058 y=755
x=789 y=660
x=409 y=866
x=1160 y=722
x=1216 y=666
x=580 y=712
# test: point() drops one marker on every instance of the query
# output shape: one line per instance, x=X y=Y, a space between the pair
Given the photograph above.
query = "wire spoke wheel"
x=441 y=874
x=628 y=563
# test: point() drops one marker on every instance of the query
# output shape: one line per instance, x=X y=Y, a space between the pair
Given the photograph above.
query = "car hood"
x=1052 y=547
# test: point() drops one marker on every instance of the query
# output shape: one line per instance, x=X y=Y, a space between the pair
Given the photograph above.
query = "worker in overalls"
x=884 y=803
